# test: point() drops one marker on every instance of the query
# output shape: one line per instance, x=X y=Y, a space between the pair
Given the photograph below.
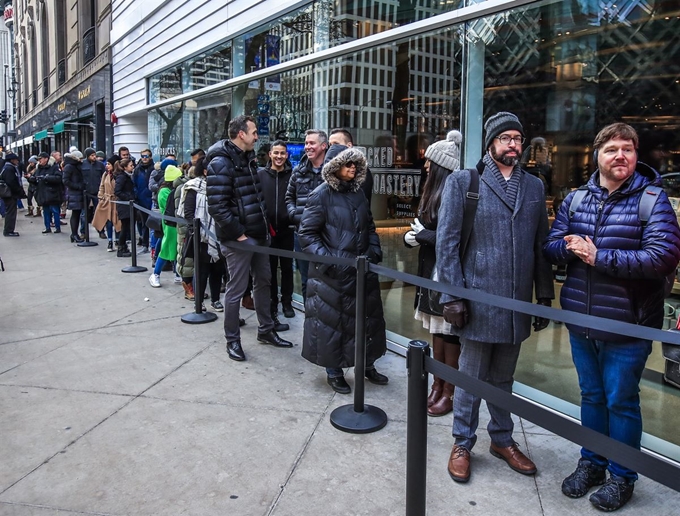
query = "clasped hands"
x=410 y=236
x=584 y=248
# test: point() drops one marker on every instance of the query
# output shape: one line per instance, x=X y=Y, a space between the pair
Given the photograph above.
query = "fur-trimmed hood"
x=330 y=170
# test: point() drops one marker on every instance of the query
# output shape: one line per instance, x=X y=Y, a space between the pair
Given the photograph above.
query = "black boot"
x=235 y=351
x=278 y=325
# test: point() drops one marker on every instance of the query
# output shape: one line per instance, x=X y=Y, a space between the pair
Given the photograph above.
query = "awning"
x=59 y=127
x=41 y=135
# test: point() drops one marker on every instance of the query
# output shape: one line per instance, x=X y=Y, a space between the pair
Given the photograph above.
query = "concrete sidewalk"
x=109 y=404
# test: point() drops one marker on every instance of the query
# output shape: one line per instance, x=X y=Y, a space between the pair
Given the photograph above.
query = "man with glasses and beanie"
x=503 y=257
x=621 y=267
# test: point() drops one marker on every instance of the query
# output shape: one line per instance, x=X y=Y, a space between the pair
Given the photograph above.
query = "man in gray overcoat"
x=504 y=257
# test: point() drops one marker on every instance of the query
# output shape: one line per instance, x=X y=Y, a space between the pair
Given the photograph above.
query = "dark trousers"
x=284 y=241
x=303 y=267
x=124 y=233
x=142 y=230
x=211 y=272
x=10 y=215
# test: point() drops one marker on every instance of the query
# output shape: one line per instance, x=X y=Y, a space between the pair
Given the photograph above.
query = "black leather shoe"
x=375 y=377
x=45 y=231
x=339 y=384
x=11 y=234
x=272 y=338
x=235 y=351
x=288 y=311
x=278 y=325
x=241 y=322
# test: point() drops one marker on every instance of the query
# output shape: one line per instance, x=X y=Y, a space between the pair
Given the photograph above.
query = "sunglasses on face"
x=145 y=156
x=352 y=164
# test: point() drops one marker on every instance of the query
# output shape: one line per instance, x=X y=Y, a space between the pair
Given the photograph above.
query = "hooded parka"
x=337 y=221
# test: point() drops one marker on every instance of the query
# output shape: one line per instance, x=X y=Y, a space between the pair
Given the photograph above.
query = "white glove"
x=410 y=239
x=417 y=226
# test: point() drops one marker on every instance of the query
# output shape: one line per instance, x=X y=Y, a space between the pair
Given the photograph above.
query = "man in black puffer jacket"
x=235 y=202
x=305 y=178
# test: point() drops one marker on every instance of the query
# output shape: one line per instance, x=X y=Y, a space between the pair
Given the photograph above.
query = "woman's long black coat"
x=74 y=182
x=125 y=191
x=337 y=221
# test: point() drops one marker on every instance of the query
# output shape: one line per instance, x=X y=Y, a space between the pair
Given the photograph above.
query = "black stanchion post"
x=87 y=242
x=133 y=242
x=359 y=418
x=198 y=316
x=416 y=429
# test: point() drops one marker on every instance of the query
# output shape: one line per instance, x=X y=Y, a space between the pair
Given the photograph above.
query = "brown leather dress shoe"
x=515 y=458
x=459 y=464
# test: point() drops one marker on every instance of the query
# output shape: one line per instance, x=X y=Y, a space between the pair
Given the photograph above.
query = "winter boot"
x=445 y=403
x=188 y=291
x=38 y=212
x=29 y=212
x=438 y=384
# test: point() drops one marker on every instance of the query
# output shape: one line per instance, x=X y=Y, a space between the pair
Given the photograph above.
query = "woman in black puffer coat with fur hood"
x=337 y=221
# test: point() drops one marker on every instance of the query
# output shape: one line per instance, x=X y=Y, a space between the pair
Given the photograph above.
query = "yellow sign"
x=84 y=93
x=61 y=107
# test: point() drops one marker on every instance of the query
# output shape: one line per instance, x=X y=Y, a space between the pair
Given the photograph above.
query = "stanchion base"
x=87 y=244
x=370 y=420
x=134 y=268
x=203 y=317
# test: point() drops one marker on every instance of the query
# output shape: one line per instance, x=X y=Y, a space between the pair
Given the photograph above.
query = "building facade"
x=399 y=74
x=63 y=74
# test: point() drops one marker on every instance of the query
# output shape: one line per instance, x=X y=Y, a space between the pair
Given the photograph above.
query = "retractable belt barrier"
x=420 y=364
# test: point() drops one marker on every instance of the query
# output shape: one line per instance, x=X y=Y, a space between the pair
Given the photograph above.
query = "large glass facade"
x=565 y=68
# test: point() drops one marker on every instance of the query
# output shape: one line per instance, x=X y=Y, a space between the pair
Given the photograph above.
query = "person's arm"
x=291 y=199
x=543 y=278
x=312 y=224
x=221 y=193
x=190 y=205
x=555 y=247
x=102 y=191
x=449 y=227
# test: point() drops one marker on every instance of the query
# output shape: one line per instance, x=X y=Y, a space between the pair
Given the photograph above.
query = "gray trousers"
x=494 y=364
x=240 y=264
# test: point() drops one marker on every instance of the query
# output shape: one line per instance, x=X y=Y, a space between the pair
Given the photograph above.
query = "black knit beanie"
x=499 y=123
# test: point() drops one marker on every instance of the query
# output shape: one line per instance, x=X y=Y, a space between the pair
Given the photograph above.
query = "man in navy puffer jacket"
x=616 y=268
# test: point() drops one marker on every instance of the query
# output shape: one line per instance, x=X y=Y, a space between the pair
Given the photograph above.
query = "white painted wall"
x=150 y=35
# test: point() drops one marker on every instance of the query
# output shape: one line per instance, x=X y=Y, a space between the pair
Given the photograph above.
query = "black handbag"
x=471 y=199
x=5 y=190
x=153 y=221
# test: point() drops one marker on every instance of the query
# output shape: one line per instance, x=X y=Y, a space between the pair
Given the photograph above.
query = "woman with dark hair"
x=124 y=191
x=337 y=221
x=75 y=183
x=442 y=157
x=106 y=212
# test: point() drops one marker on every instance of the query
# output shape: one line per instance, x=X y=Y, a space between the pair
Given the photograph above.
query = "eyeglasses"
x=145 y=156
x=505 y=139
x=351 y=164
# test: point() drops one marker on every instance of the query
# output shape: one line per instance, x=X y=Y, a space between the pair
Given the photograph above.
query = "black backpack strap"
x=577 y=199
x=471 y=200
x=647 y=202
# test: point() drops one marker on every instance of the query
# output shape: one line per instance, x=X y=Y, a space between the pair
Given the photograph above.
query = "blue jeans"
x=303 y=267
x=51 y=212
x=609 y=376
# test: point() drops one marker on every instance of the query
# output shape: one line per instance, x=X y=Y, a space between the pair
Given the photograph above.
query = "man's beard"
x=508 y=161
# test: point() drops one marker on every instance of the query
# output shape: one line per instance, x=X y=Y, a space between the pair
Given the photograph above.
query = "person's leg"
x=623 y=364
x=158 y=268
x=286 y=264
x=303 y=267
x=54 y=209
x=501 y=375
x=74 y=222
x=238 y=263
x=10 y=215
x=474 y=362
x=109 y=230
x=274 y=286
x=216 y=270
x=261 y=273
x=47 y=215
x=586 y=355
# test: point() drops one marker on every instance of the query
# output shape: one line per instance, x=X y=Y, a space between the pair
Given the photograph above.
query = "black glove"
x=539 y=322
x=455 y=313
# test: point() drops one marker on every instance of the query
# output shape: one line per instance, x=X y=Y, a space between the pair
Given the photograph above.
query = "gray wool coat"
x=504 y=254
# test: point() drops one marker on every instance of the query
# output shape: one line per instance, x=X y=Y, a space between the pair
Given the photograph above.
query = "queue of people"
x=617 y=264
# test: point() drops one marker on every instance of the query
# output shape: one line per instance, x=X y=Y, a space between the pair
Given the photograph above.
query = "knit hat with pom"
x=446 y=153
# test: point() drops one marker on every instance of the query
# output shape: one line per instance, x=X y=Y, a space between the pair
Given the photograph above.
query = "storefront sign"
x=403 y=183
x=61 y=107
x=85 y=92
x=9 y=15
x=379 y=157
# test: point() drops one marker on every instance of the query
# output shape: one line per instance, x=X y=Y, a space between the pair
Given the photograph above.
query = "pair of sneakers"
x=614 y=493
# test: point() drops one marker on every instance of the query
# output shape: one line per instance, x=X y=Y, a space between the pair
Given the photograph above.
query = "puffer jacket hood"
x=331 y=169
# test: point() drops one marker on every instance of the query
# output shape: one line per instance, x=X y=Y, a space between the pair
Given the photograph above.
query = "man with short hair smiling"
x=617 y=267
x=503 y=257
x=305 y=178
x=236 y=205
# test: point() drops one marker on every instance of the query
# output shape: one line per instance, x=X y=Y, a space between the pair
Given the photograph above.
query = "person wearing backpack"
x=166 y=203
x=617 y=267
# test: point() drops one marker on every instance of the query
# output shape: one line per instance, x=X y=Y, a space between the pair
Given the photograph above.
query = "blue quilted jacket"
x=632 y=261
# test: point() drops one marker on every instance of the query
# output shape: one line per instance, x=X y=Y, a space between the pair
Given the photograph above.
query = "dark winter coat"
x=141 y=177
x=337 y=222
x=427 y=258
x=302 y=182
x=92 y=176
x=50 y=188
x=504 y=254
x=10 y=175
x=626 y=282
x=74 y=182
x=125 y=191
x=234 y=195
x=274 y=185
